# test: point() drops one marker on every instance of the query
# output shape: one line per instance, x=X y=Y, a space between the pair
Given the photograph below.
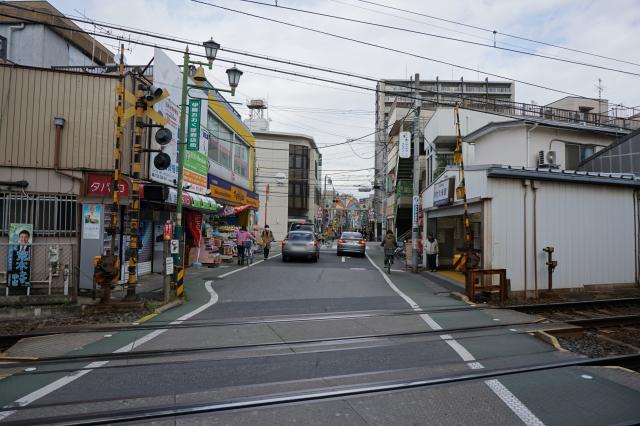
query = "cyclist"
x=389 y=243
x=242 y=241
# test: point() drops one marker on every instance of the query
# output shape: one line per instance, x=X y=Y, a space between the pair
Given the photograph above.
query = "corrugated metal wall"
x=31 y=98
x=590 y=227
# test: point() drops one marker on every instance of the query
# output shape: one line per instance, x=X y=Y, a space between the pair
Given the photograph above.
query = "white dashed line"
x=498 y=388
x=519 y=409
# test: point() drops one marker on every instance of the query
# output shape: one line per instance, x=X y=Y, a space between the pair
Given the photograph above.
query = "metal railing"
x=52 y=269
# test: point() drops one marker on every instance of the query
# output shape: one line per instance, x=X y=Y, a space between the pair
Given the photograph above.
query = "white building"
x=25 y=42
x=592 y=221
x=289 y=164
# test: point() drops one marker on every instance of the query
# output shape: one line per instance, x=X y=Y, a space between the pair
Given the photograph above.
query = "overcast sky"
x=608 y=28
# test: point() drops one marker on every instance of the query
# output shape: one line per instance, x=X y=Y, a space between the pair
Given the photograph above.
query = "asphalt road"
x=291 y=328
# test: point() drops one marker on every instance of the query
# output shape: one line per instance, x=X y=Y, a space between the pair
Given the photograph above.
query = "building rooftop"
x=493 y=126
x=83 y=41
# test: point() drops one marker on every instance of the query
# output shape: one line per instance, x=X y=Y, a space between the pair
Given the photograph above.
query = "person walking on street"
x=431 y=247
x=267 y=239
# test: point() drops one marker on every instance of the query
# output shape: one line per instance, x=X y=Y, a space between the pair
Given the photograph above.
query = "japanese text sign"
x=193 y=129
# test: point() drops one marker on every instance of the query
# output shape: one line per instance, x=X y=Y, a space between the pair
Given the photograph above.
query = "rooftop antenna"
x=600 y=88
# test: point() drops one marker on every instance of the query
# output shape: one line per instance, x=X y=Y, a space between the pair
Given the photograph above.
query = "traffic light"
x=162 y=161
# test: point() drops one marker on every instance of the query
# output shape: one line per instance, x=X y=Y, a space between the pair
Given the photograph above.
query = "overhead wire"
x=440 y=36
x=274 y=59
x=387 y=48
x=476 y=27
x=168 y=48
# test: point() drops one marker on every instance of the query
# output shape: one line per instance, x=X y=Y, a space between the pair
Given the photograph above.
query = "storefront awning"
x=194 y=201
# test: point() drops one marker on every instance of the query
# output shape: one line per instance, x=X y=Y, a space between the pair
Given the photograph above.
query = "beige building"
x=290 y=165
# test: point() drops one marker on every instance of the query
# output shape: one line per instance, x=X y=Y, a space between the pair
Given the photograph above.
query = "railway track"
x=607 y=327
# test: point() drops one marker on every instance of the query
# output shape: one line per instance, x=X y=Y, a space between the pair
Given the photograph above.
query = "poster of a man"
x=19 y=255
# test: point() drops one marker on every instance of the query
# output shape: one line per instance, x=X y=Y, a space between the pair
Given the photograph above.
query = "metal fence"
x=53 y=270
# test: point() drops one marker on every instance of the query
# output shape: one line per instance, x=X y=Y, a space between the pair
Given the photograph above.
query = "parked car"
x=351 y=242
x=300 y=244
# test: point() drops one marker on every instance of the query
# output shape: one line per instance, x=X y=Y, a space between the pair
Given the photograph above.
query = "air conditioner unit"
x=552 y=158
x=548 y=159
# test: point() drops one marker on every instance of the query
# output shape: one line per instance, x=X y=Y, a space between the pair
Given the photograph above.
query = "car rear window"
x=351 y=236
x=300 y=236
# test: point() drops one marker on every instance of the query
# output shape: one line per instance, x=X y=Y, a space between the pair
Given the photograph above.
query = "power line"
x=390 y=49
x=264 y=57
x=459 y=40
x=502 y=103
x=451 y=21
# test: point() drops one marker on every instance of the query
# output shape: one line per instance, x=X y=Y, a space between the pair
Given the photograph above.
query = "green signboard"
x=193 y=130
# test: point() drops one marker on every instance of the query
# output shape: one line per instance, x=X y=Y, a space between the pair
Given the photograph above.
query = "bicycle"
x=388 y=259
x=247 y=253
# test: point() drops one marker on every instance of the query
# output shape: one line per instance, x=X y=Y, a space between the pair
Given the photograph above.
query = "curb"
x=462 y=297
x=159 y=310
x=549 y=339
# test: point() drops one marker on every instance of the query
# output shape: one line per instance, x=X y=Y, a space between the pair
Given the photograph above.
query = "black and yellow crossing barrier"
x=180 y=282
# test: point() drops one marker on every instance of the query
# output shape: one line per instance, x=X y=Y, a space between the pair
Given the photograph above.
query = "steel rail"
x=309 y=317
x=157 y=412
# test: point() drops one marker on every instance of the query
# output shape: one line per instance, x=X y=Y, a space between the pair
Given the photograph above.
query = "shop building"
x=590 y=220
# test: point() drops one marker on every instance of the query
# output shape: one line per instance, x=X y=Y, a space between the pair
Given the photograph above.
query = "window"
x=298 y=180
x=574 y=154
x=51 y=215
x=226 y=148
x=241 y=158
x=213 y=126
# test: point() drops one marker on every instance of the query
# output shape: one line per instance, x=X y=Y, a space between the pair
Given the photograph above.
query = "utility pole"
x=416 y=174
x=266 y=205
x=384 y=179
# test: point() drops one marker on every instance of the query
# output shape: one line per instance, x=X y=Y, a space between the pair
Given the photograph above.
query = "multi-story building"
x=433 y=93
x=288 y=178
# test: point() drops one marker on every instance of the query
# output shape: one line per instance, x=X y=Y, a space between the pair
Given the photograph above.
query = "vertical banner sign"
x=193 y=132
x=416 y=207
x=19 y=255
x=404 y=145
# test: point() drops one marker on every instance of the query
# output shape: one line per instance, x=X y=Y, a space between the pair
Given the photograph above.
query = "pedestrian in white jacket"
x=431 y=248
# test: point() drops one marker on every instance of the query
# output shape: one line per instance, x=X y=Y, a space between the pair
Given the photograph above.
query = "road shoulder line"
x=63 y=381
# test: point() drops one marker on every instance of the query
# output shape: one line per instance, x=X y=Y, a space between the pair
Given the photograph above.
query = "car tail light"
x=363 y=242
x=341 y=241
x=315 y=243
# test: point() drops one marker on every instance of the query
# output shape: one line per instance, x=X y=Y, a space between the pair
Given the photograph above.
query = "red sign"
x=194 y=222
x=168 y=231
x=99 y=185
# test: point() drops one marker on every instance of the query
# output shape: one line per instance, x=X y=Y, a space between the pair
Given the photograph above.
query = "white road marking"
x=63 y=381
x=397 y=270
x=498 y=388
x=514 y=403
x=425 y=317
x=245 y=267
x=460 y=350
x=343 y=259
x=358 y=269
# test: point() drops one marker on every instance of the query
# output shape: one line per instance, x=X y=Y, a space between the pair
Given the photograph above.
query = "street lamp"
x=211 y=50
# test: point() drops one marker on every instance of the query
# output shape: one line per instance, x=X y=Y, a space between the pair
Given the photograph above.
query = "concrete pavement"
x=274 y=303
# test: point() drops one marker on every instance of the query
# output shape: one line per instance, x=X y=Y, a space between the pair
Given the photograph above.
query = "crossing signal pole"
x=415 y=205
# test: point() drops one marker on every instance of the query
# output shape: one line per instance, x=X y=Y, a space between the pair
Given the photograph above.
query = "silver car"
x=300 y=244
x=351 y=242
